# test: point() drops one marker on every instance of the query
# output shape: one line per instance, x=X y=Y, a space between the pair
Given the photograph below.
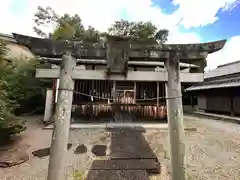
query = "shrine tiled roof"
x=223 y=70
x=225 y=83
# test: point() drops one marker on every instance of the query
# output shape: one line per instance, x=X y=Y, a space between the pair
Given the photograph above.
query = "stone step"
x=130 y=164
x=117 y=174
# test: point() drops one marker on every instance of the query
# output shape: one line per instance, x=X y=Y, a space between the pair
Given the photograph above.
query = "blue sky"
x=189 y=21
x=227 y=25
x=18 y=7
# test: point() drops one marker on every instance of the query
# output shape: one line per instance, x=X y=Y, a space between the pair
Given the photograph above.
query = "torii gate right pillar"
x=175 y=117
x=188 y=53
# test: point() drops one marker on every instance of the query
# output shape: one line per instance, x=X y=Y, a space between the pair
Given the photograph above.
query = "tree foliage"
x=144 y=32
x=44 y=17
x=8 y=122
x=65 y=27
x=20 y=92
x=69 y=27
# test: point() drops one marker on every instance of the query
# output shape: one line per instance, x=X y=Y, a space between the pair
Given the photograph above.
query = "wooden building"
x=220 y=91
x=118 y=75
x=148 y=95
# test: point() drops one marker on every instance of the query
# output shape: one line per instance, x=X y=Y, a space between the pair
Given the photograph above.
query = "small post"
x=175 y=118
x=56 y=92
x=158 y=94
x=48 y=106
x=232 y=104
x=135 y=92
x=62 y=119
x=114 y=101
x=114 y=91
x=191 y=99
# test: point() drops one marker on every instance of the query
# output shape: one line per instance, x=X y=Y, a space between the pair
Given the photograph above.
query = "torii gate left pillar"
x=175 y=117
x=62 y=119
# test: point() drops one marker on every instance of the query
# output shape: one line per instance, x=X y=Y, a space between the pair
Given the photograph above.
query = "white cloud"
x=14 y=23
x=195 y=13
x=231 y=6
x=101 y=14
x=229 y=53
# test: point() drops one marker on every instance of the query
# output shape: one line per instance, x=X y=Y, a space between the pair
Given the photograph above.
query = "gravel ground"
x=212 y=150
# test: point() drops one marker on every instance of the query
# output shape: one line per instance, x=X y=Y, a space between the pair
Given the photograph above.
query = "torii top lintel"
x=52 y=48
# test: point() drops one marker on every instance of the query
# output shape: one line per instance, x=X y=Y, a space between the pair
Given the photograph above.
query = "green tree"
x=65 y=27
x=45 y=17
x=70 y=27
x=91 y=34
x=144 y=32
x=27 y=91
x=20 y=92
x=9 y=124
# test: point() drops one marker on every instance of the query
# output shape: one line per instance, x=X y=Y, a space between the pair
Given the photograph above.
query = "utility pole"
x=62 y=118
x=175 y=117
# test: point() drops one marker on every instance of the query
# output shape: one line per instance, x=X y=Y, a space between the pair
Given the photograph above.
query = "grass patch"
x=79 y=175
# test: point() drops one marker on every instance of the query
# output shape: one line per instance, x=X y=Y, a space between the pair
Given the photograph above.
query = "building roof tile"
x=225 y=83
x=223 y=70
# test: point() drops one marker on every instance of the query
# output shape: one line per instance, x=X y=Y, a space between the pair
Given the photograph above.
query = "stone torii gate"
x=118 y=52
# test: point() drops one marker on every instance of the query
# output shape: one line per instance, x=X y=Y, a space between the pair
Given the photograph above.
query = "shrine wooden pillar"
x=135 y=91
x=158 y=94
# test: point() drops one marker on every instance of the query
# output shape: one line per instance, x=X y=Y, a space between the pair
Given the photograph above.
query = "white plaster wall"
x=18 y=51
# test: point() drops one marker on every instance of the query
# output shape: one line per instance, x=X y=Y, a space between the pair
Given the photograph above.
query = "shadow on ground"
x=130 y=158
x=40 y=153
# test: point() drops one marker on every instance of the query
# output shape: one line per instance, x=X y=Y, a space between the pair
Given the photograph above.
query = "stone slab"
x=117 y=174
x=131 y=164
x=129 y=144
